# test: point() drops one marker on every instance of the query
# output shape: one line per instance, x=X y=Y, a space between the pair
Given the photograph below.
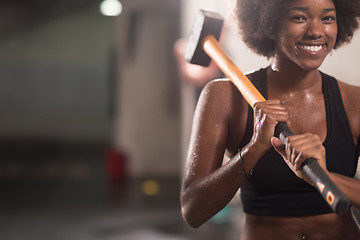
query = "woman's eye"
x=298 y=18
x=329 y=19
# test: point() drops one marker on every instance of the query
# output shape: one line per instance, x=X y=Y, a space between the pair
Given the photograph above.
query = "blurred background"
x=96 y=106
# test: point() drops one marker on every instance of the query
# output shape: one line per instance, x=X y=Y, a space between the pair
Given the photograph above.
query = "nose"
x=314 y=30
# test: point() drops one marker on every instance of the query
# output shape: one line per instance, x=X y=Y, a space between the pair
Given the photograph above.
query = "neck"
x=289 y=82
x=289 y=77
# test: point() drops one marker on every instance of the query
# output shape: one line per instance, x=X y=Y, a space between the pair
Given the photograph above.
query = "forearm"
x=204 y=197
x=349 y=186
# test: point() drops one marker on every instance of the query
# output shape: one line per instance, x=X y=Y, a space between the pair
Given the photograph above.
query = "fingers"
x=297 y=149
x=301 y=147
x=273 y=110
x=278 y=146
x=266 y=115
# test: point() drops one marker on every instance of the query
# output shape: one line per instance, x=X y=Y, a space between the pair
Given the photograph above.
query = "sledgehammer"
x=203 y=47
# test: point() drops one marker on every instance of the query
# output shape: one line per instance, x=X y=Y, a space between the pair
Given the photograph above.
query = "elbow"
x=190 y=218
x=190 y=213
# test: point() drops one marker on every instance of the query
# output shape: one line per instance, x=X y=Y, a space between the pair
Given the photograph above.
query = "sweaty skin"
x=306 y=34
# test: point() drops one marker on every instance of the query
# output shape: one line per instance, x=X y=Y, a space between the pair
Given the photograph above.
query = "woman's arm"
x=208 y=185
x=301 y=147
x=351 y=98
x=349 y=186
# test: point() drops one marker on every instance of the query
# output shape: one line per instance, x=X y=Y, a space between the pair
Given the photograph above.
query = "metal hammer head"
x=206 y=23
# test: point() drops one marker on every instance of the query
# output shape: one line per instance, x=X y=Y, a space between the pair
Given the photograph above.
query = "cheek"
x=281 y=39
x=332 y=34
x=290 y=35
x=285 y=41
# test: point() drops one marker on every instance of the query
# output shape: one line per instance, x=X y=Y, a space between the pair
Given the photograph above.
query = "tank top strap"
x=258 y=78
x=338 y=127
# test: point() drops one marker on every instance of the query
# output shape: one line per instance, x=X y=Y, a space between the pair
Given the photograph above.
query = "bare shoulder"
x=224 y=103
x=218 y=86
x=351 y=96
x=223 y=88
x=351 y=99
x=220 y=94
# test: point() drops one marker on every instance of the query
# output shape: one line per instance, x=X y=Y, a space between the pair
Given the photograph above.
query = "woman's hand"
x=298 y=148
x=266 y=115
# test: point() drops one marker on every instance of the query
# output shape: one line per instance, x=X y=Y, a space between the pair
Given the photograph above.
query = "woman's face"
x=306 y=33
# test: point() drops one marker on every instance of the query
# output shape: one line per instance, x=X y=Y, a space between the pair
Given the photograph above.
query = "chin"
x=310 y=66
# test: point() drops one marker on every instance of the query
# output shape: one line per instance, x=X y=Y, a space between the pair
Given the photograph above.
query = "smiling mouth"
x=312 y=48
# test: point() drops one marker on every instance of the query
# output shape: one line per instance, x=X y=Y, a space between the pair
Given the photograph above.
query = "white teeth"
x=312 y=48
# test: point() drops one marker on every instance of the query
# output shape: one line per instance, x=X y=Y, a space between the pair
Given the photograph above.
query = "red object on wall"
x=116 y=165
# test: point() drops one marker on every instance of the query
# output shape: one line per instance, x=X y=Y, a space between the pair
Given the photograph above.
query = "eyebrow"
x=304 y=9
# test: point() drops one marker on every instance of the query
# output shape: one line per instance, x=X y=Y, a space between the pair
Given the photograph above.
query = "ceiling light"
x=111 y=7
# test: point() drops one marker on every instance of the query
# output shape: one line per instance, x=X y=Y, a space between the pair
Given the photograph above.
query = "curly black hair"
x=258 y=20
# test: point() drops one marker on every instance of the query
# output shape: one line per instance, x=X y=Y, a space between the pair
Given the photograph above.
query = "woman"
x=324 y=114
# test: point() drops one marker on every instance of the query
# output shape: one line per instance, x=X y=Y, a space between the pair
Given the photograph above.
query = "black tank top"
x=274 y=190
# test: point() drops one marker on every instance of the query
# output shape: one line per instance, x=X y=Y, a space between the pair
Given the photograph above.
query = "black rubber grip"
x=329 y=191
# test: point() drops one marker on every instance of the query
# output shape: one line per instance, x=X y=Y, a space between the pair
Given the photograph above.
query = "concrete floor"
x=124 y=212
x=120 y=211
x=54 y=190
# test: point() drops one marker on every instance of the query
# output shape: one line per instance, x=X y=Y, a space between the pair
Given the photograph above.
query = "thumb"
x=278 y=145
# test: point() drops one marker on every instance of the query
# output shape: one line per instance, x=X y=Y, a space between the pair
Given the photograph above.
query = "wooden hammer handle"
x=247 y=89
x=330 y=192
